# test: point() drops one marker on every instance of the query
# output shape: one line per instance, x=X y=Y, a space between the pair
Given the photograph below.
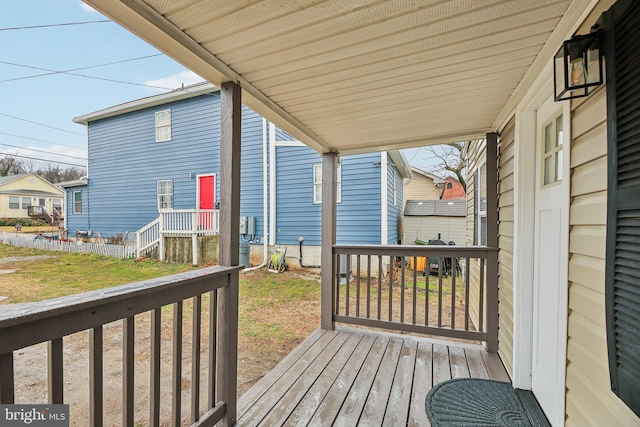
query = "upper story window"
x=163 y=125
x=77 y=202
x=317 y=183
x=165 y=194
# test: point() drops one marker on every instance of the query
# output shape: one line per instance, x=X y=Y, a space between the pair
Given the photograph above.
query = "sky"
x=36 y=111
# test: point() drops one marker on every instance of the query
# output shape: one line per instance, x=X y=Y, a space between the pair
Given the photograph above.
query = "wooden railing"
x=185 y=222
x=23 y=325
x=436 y=290
x=148 y=238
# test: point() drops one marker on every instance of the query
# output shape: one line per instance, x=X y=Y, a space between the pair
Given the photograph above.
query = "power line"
x=42 y=160
x=41 y=124
x=73 y=69
x=42 y=140
x=85 y=76
x=66 y=24
x=42 y=151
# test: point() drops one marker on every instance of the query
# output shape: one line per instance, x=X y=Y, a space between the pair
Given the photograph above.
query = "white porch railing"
x=177 y=223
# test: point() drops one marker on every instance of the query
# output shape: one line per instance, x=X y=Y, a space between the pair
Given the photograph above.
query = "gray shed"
x=425 y=219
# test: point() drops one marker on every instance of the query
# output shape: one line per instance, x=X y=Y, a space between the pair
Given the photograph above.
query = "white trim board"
x=384 y=208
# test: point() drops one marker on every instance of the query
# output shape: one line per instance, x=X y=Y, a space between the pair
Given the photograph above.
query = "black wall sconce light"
x=577 y=66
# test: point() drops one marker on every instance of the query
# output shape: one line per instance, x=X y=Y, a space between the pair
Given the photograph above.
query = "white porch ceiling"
x=362 y=75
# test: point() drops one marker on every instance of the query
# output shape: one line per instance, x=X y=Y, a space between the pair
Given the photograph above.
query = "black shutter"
x=622 y=52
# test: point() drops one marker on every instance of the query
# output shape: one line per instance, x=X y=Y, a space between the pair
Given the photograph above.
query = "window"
x=552 y=151
x=165 y=194
x=14 y=202
x=77 y=202
x=26 y=202
x=449 y=185
x=57 y=203
x=480 y=190
x=163 y=125
x=317 y=184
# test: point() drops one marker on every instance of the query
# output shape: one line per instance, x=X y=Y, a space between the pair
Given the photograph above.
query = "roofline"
x=151 y=101
x=74 y=183
x=436 y=179
x=400 y=160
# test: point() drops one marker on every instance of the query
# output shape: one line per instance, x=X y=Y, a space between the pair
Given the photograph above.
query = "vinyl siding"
x=77 y=221
x=589 y=400
x=126 y=162
x=394 y=203
x=506 y=162
x=358 y=215
x=421 y=188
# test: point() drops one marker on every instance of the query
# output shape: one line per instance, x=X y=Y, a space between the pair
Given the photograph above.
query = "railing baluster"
x=338 y=277
x=467 y=281
x=454 y=267
x=176 y=379
x=390 y=288
x=154 y=406
x=481 y=303
x=213 y=340
x=128 y=361
x=7 y=394
x=347 y=284
x=358 y=286
x=368 y=286
x=380 y=278
x=95 y=377
x=427 y=279
x=55 y=369
x=195 y=359
x=440 y=273
x=402 y=290
x=415 y=288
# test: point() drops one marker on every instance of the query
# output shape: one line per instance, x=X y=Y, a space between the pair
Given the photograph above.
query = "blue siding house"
x=162 y=153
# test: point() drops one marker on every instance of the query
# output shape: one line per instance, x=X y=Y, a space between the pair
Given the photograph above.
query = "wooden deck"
x=351 y=377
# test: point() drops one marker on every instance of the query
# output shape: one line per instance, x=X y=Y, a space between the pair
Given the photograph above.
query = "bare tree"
x=10 y=165
x=55 y=174
x=451 y=160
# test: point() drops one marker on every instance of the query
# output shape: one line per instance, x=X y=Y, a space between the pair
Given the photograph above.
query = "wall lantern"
x=577 y=66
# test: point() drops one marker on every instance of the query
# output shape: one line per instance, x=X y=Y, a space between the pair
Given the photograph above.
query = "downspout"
x=265 y=188
x=384 y=212
x=300 y=240
x=272 y=186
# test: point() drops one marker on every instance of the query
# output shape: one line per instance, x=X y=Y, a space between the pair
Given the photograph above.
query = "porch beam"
x=329 y=198
x=492 y=242
x=230 y=146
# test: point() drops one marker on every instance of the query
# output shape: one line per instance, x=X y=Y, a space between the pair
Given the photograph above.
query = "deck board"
x=353 y=377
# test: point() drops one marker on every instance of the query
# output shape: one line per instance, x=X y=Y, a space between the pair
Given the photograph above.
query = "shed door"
x=207 y=191
x=550 y=260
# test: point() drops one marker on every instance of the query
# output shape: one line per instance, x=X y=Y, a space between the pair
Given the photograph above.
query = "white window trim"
x=22 y=204
x=317 y=181
x=159 y=126
x=160 y=209
x=73 y=201
x=16 y=197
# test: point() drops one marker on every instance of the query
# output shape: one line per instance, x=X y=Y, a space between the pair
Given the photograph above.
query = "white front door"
x=550 y=260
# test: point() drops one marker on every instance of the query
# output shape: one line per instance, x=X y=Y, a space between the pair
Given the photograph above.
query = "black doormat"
x=475 y=402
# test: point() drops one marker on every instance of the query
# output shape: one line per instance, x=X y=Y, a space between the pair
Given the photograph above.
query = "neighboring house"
x=423 y=186
x=427 y=219
x=163 y=153
x=19 y=192
x=453 y=190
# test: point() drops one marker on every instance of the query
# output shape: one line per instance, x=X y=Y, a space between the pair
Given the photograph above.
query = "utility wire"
x=66 y=24
x=42 y=160
x=73 y=69
x=43 y=140
x=85 y=76
x=41 y=124
x=43 y=151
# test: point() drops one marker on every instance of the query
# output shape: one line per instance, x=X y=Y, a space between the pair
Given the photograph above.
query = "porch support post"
x=227 y=369
x=492 y=242
x=329 y=198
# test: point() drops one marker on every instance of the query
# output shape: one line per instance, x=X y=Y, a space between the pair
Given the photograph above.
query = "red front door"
x=207 y=192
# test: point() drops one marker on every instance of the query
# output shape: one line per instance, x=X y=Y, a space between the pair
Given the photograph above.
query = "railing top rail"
x=148 y=226
x=415 y=250
x=22 y=325
x=170 y=211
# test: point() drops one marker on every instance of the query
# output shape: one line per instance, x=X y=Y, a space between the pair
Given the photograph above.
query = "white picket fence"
x=29 y=241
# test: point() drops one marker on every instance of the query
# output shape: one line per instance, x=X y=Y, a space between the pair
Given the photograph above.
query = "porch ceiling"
x=362 y=75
